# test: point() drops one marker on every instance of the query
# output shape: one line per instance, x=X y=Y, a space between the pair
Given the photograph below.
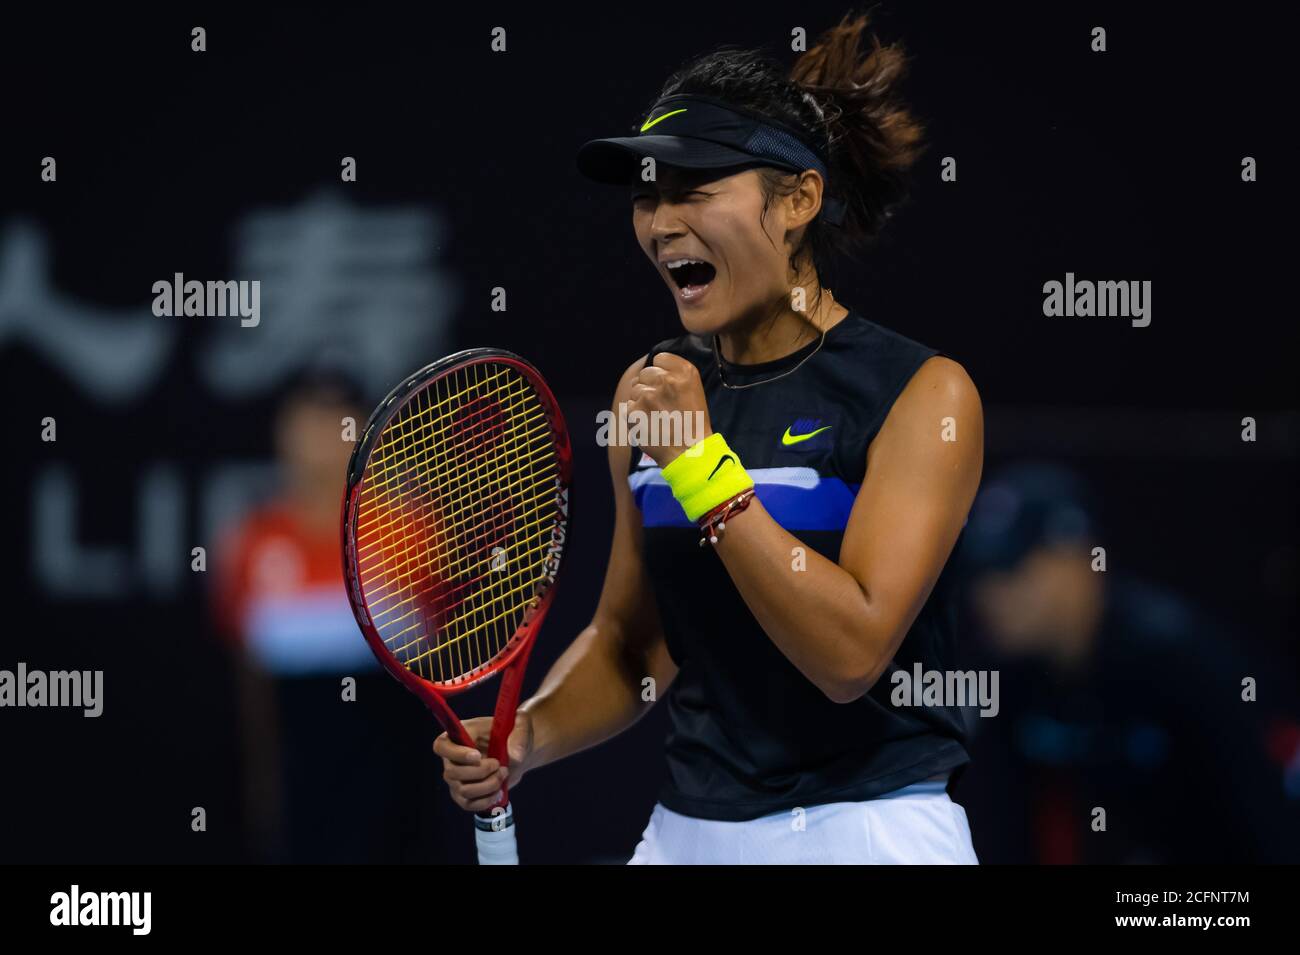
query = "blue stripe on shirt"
x=797 y=498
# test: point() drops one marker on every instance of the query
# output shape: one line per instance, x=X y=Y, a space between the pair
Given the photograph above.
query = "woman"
x=820 y=577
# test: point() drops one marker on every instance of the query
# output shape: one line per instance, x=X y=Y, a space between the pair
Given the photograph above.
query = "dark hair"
x=1025 y=507
x=844 y=103
x=324 y=381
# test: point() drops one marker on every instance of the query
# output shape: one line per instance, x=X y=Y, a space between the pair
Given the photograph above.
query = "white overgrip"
x=495 y=836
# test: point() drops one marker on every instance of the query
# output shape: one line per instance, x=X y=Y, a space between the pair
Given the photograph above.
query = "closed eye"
x=690 y=193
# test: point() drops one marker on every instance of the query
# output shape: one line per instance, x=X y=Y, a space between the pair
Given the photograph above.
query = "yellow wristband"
x=706 y=474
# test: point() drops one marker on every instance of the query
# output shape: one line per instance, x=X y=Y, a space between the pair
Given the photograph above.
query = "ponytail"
x=873 y=139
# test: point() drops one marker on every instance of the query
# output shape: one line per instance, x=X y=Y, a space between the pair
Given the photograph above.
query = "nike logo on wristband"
x=721 y=461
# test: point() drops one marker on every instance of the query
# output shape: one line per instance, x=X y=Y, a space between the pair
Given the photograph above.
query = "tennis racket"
x=454 y=524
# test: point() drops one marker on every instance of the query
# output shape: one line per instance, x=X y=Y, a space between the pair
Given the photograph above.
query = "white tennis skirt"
x=916 y=825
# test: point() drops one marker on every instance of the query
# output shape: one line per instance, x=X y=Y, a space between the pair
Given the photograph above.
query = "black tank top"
x=749 y=734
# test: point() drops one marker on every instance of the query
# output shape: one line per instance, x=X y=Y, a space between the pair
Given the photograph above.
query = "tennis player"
x=775 y=579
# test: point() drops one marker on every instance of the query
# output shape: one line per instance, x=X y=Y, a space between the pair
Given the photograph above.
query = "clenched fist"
x=671 y=384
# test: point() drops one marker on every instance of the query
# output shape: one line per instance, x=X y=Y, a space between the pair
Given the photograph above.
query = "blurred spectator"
x=1114 y=695
x=323 y=776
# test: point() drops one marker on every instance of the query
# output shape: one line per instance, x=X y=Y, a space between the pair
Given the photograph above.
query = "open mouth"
x=692 y=276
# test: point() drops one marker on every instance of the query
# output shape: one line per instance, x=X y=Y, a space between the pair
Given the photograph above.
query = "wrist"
x=715 y=521
x=668 y=455
x=705 y=475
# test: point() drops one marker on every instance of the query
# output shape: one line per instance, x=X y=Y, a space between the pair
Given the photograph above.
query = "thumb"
x=671 y=362
x=521 y=740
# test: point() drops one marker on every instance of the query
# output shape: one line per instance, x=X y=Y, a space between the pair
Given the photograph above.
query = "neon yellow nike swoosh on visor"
x=788 y=439
x=660 y=119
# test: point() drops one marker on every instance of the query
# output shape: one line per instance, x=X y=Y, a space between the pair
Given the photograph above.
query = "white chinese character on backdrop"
x=360 y=283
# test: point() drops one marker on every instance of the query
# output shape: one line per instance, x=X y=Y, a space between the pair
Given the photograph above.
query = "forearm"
x=592 y=693
x=815 y=611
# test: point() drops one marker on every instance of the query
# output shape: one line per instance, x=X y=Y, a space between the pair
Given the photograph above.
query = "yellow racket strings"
x=454 y=519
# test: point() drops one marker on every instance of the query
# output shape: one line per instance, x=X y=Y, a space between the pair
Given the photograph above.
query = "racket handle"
x=495 y=836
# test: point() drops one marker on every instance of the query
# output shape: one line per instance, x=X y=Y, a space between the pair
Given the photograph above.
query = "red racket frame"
x=514 y=660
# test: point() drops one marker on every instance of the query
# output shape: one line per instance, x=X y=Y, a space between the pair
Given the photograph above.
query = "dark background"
x=1122 y=165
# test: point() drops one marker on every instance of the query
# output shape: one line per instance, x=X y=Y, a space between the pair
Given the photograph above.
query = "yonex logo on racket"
x=558 y=532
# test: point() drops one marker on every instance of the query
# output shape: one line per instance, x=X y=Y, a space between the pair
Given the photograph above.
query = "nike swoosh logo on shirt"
x=788 y=439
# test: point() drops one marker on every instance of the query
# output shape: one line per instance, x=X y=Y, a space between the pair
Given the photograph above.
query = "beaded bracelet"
x=716 y=520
